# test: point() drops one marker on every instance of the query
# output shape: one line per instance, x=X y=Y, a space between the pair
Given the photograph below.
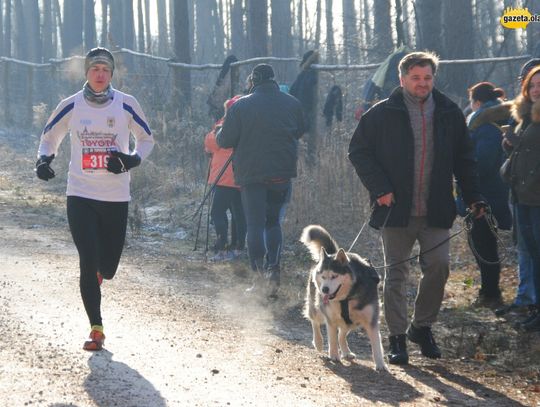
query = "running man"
x=99 y=119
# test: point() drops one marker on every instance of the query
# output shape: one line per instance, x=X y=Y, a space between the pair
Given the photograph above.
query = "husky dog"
x=342 y=293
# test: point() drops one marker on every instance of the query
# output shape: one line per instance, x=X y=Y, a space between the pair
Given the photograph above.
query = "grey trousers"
x=398 y=244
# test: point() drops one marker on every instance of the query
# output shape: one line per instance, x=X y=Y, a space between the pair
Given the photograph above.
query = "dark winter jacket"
x=487 y=136
x=263 y=128
x=525 y=167
x=382 y=152
x=304 y=87
x=333 y=103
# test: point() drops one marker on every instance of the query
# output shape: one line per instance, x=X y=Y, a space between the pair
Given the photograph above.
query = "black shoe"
x=511 y=309
x=273 y=277
x=533 y=314
x=533 y=325
x=398 y=350
x=486 y=301
x=259 y=285
x=424 y=337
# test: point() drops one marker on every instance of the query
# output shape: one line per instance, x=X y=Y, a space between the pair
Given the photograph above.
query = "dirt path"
x=180 y=332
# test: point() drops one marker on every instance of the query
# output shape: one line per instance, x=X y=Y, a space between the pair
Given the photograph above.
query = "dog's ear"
x=342 y=257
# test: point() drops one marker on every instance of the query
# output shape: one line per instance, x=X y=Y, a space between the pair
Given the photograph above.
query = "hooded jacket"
x=525 y=165
x=382 y=153
x=263 y=128
x=487 y=136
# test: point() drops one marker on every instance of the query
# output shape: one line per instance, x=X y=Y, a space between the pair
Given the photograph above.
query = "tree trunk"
x=399 y=24
x=383 y=31
x=281 y=28
x=129 y=25
x=163 y=34
x=115 y=36
x=171 y=24
x=7 y=27
x=148 y=30
x=203 y=35
x=1 y=28
x=351 y=52
x=47 y=34
x=140 y=27
x=89 y=24
x=407 y=23
x=258 y=28
x=57 y=26
x=300 y=27
x=21 y=51
x=368 y=30
x=182 y=50
x=429 y=25
x=238 y=38
x=219 y=35
x=31 y=31
x=318 y=11
x=72 y=33
x=104 y=23
x=458 y=44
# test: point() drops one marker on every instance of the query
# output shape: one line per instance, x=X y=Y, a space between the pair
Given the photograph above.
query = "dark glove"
x=43 y=169
x=120 y=162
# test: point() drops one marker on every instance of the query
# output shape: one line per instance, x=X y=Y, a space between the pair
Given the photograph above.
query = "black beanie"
x=98 y=55
x=527 y=66
x=262 y=73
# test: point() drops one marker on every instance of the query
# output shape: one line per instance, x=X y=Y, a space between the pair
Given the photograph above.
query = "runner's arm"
x=56 y=128
x=137 y=124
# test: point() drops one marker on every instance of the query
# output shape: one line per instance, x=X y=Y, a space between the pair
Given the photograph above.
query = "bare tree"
x=383 y=32
x=238 y=38
x=72 y=32
x=300 y=27
x=1 y=29
x=331 y=56
x=458 y=44
x=129 y=25
x=367 y=28
x=104 y=22
x=217 y=28
x=32 y=34
x=429 y=25
x=258 y=28
x=89 y=25
x=115 y=36
x=163 y=35
x=399 y=24
x=204 y=40
x=7 y=28
x=147 y=26
x=140 y=26
x=318 y=12
x=21 y=51
x=350 y=33
x=281 y=28
x=182 y=50
x=47 y=33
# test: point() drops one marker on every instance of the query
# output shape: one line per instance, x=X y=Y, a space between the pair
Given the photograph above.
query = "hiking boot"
x=398 y=350
x=424 y=337
x=533 y=325
x=272 y=275
x=533 y=314
x=485 y=301
x=95 y=341
x=511 y=309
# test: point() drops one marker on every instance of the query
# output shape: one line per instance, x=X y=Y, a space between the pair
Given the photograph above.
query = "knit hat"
x=527 y=66
x=262 y=73
x=98 y=55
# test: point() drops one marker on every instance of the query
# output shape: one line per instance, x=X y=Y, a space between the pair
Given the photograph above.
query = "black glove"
x=120 y=162
x=43 y=169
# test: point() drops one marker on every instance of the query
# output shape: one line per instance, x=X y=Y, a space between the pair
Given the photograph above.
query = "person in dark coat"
x=484 y=125
x=263 y=128
x=525 y=180
x=406 y=150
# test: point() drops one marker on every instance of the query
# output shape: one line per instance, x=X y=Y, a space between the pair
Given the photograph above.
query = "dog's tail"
x=315 y=237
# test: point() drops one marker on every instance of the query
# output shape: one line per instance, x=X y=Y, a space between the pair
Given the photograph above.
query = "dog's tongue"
x=325 y=299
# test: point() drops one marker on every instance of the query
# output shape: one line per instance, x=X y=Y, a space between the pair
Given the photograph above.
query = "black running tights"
x=99 y=230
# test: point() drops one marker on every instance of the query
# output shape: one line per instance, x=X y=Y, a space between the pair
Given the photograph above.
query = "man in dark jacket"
x=263 y=128
x=406 y=150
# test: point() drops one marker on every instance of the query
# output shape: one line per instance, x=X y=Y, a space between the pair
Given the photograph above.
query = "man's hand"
x=478 y=209
x=386 y=200
x=120 y=162
x=43 y=168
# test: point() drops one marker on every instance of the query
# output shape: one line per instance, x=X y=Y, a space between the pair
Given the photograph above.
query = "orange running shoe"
x=99 y=278
x=95 y=341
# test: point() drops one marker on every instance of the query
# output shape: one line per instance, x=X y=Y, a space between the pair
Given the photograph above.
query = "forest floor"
x=181 y=332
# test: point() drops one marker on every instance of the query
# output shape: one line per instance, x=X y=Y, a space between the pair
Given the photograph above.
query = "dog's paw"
x=334 y=358
x=348 y=356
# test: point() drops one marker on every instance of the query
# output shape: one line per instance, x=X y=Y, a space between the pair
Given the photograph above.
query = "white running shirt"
x=94 y=133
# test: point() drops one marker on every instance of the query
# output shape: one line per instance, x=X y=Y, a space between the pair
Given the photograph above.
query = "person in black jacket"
x=406 y=150
x=263 y=128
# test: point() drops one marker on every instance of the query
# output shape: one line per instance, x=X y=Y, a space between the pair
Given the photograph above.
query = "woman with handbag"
x=489 y=112
x=525 y=180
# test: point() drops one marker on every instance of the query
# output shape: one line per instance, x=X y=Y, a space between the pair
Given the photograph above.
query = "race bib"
x=94 y=160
